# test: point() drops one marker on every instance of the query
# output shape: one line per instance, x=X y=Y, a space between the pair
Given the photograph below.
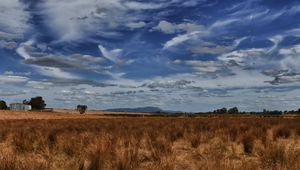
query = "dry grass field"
x=61 y=140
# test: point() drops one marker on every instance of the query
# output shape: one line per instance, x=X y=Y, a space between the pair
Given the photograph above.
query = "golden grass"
x=96 y=143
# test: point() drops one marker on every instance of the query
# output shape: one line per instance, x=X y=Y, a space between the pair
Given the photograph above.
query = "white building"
x=20 y=107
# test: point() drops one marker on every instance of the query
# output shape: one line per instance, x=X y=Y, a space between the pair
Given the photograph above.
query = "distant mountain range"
x=142 y=110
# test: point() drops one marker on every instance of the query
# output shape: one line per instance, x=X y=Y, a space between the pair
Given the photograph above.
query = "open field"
x=59 y=114
x=61 y=140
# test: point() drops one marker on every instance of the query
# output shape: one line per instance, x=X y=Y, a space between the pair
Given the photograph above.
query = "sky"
x=188 y=55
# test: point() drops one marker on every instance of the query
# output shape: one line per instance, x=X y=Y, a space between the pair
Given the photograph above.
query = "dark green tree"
x=223 y=110
x=81 y=108
x=220 y=111
x=26 y=102
x=3 y=105
x=37 y=103
x=233 y=110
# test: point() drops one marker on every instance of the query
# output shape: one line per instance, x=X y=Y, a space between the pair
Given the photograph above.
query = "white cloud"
x=182 y=38
x=276 y=40
x=77 y=19
x=223 y=23
x=8 y=93
x=258 y=14
x=194 y=32
x=293 y=32
x=12 y=73
x=205 y=66
x=212 y=48
x=238 y=41
x=169 y=28
x=291 y=60
x=142 y=6
x=13 y=17
x=244 y=56
x=21 y=50
x=39 y=84
x=10 y=36
x=209 y=49
x=116 y=76
x=189 y=27
x=285 y=79
x=10 y=79
x=294 y=50
x=190 y=3
x=112 y=55
x=168 y=84
x=241 y=79
x=166 y=27
x=89 y=58
x=136 y=25
x=8 y=44
x=55 y=73
x=13 y=23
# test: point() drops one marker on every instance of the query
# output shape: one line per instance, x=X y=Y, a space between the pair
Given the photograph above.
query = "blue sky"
x=190 y=55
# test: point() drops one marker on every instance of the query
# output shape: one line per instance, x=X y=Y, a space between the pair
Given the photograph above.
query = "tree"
x=233 y=110
x=81 y=108
x=26 y=102
x=37 y=103
x=223 y=110
x=220 y=111
x=3 y=105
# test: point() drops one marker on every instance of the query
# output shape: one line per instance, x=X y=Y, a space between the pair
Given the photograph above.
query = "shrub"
x=233 y=133
x=81 y=108
x=298 y=132
x=282 y=132
x=195 y=141
x=96 y=161
x=51 y=139
x=273 y=156
x=248 y=142
x=175 y=135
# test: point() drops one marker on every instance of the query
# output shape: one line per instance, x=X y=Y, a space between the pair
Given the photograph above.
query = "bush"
x=195 y=141
x=248 y=142
x=273 y=157
x=282 y=132
x=82 y=108
x=175 y=135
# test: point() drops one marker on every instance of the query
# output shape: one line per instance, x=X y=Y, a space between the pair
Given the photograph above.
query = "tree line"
x=235 y=110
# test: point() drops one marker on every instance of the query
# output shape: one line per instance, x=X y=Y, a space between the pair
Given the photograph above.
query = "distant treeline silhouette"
x=235 y=110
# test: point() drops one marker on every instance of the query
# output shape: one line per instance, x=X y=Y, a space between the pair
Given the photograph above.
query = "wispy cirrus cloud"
x=12 y=79
x=13 y=18
x=77 y=20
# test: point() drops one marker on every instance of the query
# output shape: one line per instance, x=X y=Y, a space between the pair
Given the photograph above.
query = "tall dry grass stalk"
x=150 y=143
